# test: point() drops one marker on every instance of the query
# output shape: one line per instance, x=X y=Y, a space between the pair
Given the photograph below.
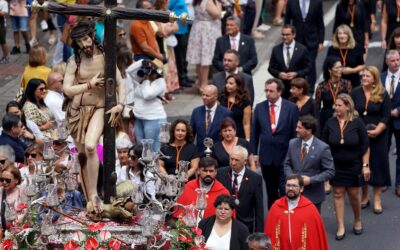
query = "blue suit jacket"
x=395 y=102
x=198 y=123
x=272 y=148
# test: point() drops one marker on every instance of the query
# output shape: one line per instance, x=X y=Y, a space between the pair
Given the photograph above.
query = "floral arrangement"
x=96 y=238
x=184 y=237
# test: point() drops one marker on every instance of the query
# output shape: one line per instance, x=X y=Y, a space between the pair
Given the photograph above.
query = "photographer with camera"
x=149 y=91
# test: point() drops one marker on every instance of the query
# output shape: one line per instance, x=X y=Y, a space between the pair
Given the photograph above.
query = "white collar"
x=213 y=107
x=292 y=204
x=309 y=142
x=291 y=45
x=278 y=103
x=237 y=37
x=241 y=173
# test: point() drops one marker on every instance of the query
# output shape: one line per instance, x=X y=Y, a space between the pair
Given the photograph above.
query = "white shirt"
x=213 y=110
x=219 y=243
x=54 y=101
x=308 y=142
x=389 y=80
x=291 y=49
x=292 y=204
x=239 y=178
x=135 y=178
x=307 y=7
x=4 y=9
x=237 y=39
x=277 y=108
x=147 y=104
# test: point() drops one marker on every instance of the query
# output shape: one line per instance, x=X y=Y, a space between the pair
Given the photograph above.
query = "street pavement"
x=380 y=231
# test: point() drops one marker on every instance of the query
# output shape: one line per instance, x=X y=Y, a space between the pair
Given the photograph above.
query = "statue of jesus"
x=84 y=86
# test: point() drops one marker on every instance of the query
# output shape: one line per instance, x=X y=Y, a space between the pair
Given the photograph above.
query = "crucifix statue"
x=91 y=81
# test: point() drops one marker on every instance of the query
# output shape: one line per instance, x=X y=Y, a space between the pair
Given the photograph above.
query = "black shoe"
x=365 y=205
x=15 y=51
x=357 y=231
x=28 y=48
x=190 y=81
x=340 y=237
x=185 y=84
x=377 y=210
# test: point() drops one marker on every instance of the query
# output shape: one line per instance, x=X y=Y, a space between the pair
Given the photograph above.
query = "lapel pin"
x=242 y=43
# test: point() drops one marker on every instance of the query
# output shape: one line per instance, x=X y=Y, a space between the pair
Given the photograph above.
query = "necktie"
x=391 y=92
x=272 y=118
x=303 y=8
x=304 y=151
x=288 y=58
x=235 y=184
x=233 y=43
x=208 y=118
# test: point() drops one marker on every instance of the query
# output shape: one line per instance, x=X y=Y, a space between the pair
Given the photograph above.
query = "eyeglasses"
x=42 y=89
x=288 y=186
x=2 y=161
x=29 y=154
x=5 y=180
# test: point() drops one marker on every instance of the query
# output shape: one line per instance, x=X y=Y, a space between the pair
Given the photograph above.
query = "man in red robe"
x=294 y=222
x=206 y=180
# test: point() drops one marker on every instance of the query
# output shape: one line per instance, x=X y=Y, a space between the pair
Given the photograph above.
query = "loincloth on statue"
x=78 y=120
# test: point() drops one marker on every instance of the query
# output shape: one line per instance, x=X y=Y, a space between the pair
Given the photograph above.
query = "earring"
x=373 y=86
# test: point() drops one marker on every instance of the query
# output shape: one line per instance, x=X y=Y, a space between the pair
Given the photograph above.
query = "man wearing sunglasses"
x=6 y=154
x=12 y=129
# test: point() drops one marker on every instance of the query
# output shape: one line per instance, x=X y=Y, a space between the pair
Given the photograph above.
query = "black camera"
x=146 y=69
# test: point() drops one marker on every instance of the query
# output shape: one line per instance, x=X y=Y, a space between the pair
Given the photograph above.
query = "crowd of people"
x=306 y=140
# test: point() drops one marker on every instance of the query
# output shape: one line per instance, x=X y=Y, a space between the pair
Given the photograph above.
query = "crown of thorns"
x=82 y=29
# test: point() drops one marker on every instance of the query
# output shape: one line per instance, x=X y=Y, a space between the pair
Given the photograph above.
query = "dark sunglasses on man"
x=5 y=180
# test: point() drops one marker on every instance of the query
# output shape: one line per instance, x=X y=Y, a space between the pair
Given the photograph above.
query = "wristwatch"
x=365 y=165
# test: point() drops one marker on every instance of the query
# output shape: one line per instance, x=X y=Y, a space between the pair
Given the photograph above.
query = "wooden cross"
x=110 y=12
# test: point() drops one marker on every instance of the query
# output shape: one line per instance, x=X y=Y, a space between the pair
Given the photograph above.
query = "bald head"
x=55 y=81
x=209 y=95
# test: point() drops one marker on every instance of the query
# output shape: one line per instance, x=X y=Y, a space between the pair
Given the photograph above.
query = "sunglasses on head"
x=29 y=154
x=5 y=180
x=2 y=161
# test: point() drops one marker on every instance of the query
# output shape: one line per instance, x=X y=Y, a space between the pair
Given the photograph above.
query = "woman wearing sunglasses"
x=34 y=107
x=33 y=156
x=11 y=195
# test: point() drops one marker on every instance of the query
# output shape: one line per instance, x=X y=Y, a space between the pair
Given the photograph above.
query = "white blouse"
x=215 y=242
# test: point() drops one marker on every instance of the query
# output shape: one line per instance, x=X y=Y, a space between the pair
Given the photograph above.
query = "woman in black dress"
x=373 y=104
x=328 y=90
x=229 y=140
x=346 y=135
x=351 y=54
x=180 y=148
x=235 y=97
x=298 y=95
x=352 y=13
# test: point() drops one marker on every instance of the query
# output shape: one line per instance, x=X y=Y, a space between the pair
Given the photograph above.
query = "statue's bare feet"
x=97 y=204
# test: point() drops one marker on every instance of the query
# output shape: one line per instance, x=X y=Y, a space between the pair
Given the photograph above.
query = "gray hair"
x=262 y=239
x=8 y=152
x=243 y=151
x=392 y=52
x=235 y=19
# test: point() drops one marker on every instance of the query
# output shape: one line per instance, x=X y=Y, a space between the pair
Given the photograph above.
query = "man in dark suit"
x=231 y=66
x=207 y=118
x=390 y=79
x=289 y=59
x=242 y=43
x=311 y=158
x=307 y=17
x=274 y=124
x=246 y=187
